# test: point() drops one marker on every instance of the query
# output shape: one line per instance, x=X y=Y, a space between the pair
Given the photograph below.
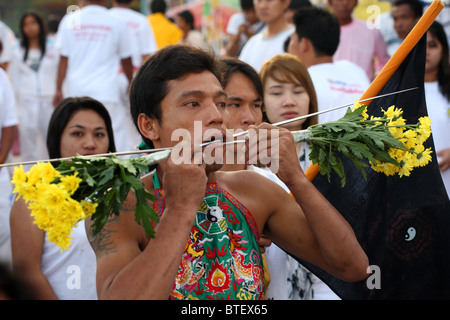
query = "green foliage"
x=107 y=182
x=362 y=141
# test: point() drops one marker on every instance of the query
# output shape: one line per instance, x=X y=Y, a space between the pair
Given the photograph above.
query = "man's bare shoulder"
x=122 y=226
x=246 y=179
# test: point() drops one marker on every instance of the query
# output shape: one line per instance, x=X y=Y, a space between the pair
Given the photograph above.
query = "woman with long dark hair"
x=78 y=126
x=33 y=74
x=437 y=94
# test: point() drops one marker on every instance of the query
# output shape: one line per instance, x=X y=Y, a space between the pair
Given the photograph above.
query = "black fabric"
x=413 y=263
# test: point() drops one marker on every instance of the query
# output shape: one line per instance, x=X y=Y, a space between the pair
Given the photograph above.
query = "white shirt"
x=286 y=273
x=8 y=115
x=235 y=21
x=338 y=83
x=40 y=82
x=94 y=41
x=195 y=38
x=259 y=48
x=8 y=39
x=276 y=258
x=141 y=33
x=438 y=111
x=72 y=273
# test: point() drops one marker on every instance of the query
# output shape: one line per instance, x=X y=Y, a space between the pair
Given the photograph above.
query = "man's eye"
x=192 y=104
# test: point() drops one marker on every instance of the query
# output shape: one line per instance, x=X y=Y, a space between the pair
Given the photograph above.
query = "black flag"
x=403 y=224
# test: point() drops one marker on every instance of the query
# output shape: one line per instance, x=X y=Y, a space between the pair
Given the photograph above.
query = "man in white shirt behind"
x=143 y=43
x=242 y=26
x=314 y=41
x=270 y=41
x=8 y=124
x=7 y=39
x=93 y=45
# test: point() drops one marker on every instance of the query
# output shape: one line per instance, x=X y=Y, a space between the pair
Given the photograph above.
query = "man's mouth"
x=212 y=140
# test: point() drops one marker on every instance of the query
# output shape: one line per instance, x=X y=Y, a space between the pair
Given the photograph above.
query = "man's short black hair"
x=158 y=6
x=415 y=6
x=320 y=27
x=188 y=17
x=230 y=65
x=247 y=4
x=149 y=87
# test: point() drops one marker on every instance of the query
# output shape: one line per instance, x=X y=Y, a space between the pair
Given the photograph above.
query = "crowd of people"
x=107 y=80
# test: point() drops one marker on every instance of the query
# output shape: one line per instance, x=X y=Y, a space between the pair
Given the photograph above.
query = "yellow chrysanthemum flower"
x=409 y=139
x=70 y=183
x=424 y=128
x=424 y=157
x=364 y=114
x=21 y=186
x=89 y=208
x=42 y=172
x=393 y=113
x=53 y=196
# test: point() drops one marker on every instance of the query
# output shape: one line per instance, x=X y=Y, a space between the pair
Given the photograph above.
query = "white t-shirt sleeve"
x=147 y=39
x=7 y=38
x=62 y=41
x=125 y=45
x=234 y=22
x=7 y=102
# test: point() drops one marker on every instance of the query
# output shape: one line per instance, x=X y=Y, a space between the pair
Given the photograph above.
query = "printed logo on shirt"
x=341 y=86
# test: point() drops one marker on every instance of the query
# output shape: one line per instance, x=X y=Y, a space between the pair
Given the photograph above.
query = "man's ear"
x=149 y=127
x=305 y=44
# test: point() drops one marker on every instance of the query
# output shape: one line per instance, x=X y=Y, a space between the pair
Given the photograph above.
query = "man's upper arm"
x=115 y=246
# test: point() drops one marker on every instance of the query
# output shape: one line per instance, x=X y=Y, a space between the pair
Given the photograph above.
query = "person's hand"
x=263 y=243
x=57 y=98
x=444 y=161
x=275 y=147
x=184 y=181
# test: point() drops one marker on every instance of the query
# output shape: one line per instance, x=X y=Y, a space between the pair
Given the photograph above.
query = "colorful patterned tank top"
x=222 y=259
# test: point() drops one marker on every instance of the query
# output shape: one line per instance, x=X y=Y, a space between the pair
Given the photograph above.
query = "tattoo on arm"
x=101 y=243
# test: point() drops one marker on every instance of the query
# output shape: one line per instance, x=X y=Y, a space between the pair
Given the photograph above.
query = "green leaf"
x=106 y=175
x=88 y=178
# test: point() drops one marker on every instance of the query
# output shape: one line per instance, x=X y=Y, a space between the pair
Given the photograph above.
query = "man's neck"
x=121 y=5
x=276 y=26
x=345 y=21
x=96 y=3
x=319 y=60
x=159 y=171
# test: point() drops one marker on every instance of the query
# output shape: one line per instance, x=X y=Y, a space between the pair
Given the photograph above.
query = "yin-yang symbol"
x=411 y=234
